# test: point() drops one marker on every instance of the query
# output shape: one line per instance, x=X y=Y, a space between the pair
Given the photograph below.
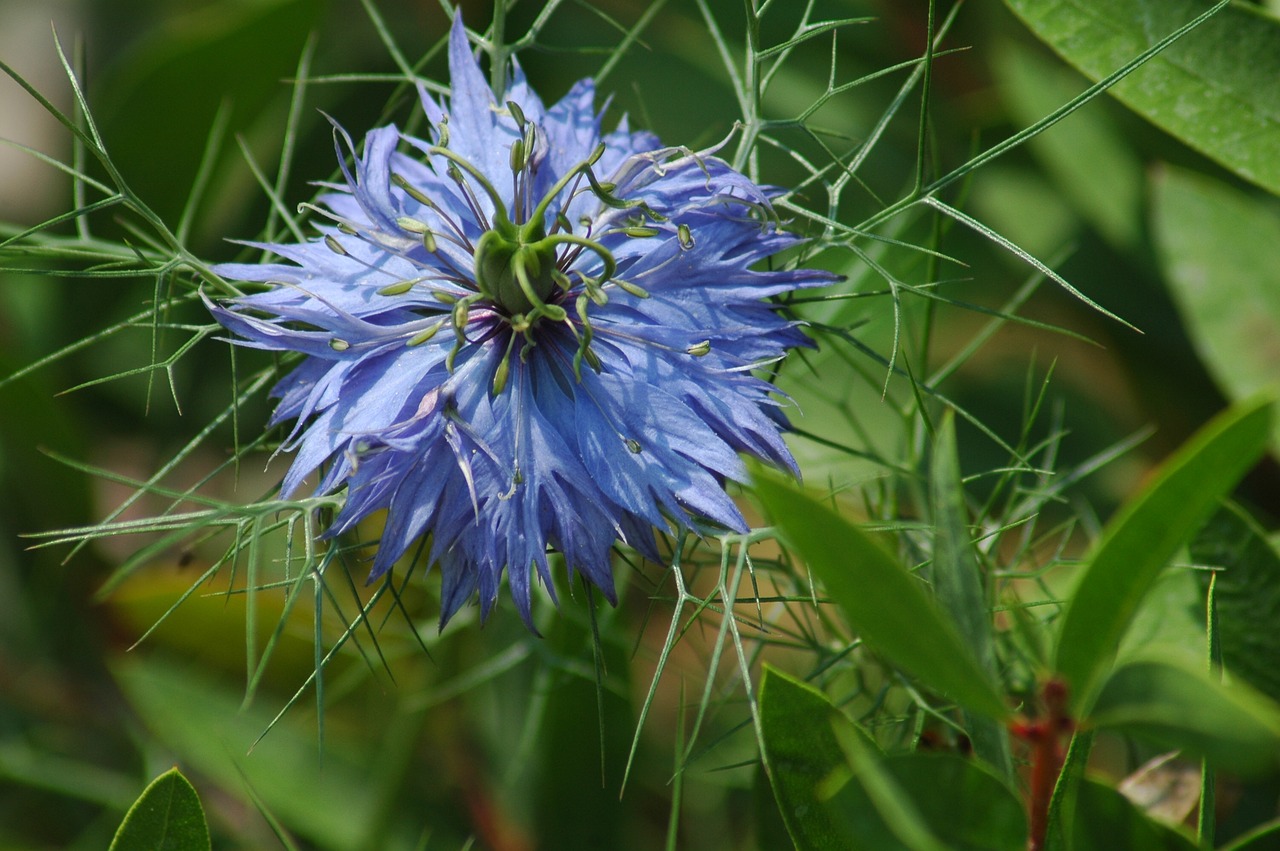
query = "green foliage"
x=960 y=589
x=1246 y=571
x=801 y=749
x=1106 y=819
x=1212 y=91
x=881 y=598
x=1231 y=309
x=1140 y=540
x=882 y=668
x=1181 y=706
x=166 y=817
x=837 y=790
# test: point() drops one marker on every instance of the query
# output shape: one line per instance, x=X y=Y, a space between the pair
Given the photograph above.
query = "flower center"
x=517 y=269
x=515 y=266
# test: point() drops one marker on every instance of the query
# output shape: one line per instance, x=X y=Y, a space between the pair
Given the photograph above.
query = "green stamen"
x=425 y=335
x=396 y=289
x=699 y=350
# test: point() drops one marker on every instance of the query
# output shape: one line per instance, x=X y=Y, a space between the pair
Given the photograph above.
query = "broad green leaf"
x=886 y=605
x=1107 y=819
x=961 y=804
x=1217 y=248
x=877 y=811
x=1091 y=164
x=166 y=817
x=1214 y=89
x=1138 y=542
x=1180 y=705
x=800 y=746
x=1247 y=591
x=835 y=790
x=957 y=581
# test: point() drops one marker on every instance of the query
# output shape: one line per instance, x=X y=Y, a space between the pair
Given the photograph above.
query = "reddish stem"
x=1044 y=735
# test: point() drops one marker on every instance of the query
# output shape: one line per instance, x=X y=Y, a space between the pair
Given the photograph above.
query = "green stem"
x=498 y=49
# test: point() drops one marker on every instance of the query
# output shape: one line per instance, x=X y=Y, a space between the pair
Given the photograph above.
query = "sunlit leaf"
x=1144 y=535
x=887 y=606
x=1179 y=704
x=166 y=817
x=1217 y=248
x=802 y=752
x=1214 y=89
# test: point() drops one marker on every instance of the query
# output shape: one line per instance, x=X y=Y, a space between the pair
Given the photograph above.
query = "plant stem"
x=1045 y=737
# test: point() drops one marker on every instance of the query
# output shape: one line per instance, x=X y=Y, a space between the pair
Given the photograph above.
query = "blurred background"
x=486 y=735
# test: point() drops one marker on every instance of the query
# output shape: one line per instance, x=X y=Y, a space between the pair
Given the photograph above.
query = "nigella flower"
x=523 y=335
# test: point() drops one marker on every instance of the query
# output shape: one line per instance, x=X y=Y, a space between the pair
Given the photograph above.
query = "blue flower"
x=522 y=334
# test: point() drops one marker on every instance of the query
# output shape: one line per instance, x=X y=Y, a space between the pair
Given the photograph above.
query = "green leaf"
x=1247 y=593
x=1091 y=163
x=1216 y=247
x=887 y=606
x=1107 y=819
x=332 y=800
x=1180 y=705
x=960 y=803
x=1264 y=838
x=835 y=790
x=1145 y=534
x=166 y=817
x=957 y=582
x=1214 y=89
x=879 y=813
x=798 y=726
